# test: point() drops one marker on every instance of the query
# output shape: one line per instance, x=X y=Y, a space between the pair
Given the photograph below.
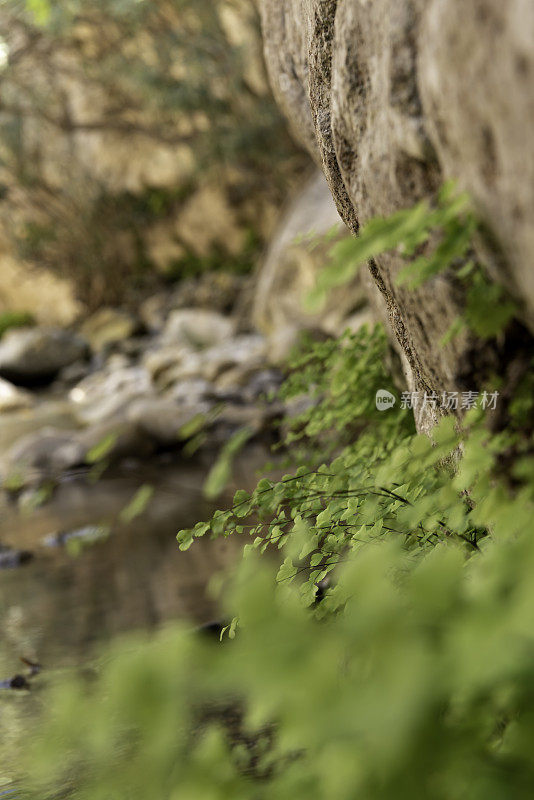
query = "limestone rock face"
x=480 y=116
x=392 y=97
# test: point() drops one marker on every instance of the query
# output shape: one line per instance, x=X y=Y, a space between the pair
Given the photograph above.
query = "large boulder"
x=36 y=355
x=392 y=97
x=296 y=254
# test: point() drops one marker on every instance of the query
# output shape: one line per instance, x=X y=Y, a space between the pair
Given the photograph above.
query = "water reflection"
x=56 y=607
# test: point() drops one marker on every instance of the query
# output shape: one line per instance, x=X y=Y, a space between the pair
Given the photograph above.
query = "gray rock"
x=122 y=439
x=34 y=355
x=169 y=365
x=17 y=424
x=12 y=398
x=104 y=395
x=190 y=391
x=108 y=326
x=74 y=373
x=248 y=350
x=248 y=383
x=163 y=419
x=216 y=291
x=44 y=453
x=197 y=328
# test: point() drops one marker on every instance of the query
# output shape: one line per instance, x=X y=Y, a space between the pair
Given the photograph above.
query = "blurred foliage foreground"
x=412 y=676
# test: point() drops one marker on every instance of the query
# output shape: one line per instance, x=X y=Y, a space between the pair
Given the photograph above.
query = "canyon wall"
x=393 y=97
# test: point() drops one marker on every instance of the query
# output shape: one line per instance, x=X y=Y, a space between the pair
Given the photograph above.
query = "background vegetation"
x=113 y=115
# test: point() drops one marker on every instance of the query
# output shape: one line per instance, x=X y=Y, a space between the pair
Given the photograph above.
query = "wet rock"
x=54 y=414
x=191 y=391
x=248 y=382
x=163 y=419
x=45 y=453
x=12 y=398
x=172 y=365
x=247 y=350
x=108 y=326
x=197 y=328
x=120 y=439
x=35 y=355
x=104 y=395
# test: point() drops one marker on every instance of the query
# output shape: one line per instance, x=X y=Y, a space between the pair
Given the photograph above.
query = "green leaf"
x=138 y=504
x=102 y=449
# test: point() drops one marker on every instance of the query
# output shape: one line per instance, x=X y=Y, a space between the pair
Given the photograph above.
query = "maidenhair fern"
x=431 y=239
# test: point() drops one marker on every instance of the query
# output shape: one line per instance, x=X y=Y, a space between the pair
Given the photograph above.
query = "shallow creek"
x=59 y=609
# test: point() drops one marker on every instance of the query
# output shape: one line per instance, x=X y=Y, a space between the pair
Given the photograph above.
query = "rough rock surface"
x=391 y=97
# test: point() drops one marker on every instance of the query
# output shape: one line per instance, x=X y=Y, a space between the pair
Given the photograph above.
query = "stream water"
x=56 y=606
x=59 y=609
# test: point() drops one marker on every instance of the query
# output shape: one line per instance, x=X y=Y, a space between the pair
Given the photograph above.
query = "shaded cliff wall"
x=392 y=97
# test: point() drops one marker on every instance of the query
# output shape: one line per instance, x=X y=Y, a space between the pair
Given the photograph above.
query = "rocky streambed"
x=129 y=387
x=88 y=418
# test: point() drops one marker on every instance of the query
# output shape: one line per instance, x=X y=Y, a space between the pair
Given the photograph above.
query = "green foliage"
x=138 y=504
x=102 y=449
x=338 y=379
x=420 y=685
x=40 y=11
x=221 y=472
x=432 y=239
x=14 y=319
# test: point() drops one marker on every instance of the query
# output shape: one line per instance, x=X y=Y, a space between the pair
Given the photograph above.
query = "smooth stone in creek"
x=45 y=452
x=13 y=398
x=104 y=395
x=18 y=424
x=163 y=420
x=120 y=439
x=36 y=355
x=169 y=365
x=197 y=328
